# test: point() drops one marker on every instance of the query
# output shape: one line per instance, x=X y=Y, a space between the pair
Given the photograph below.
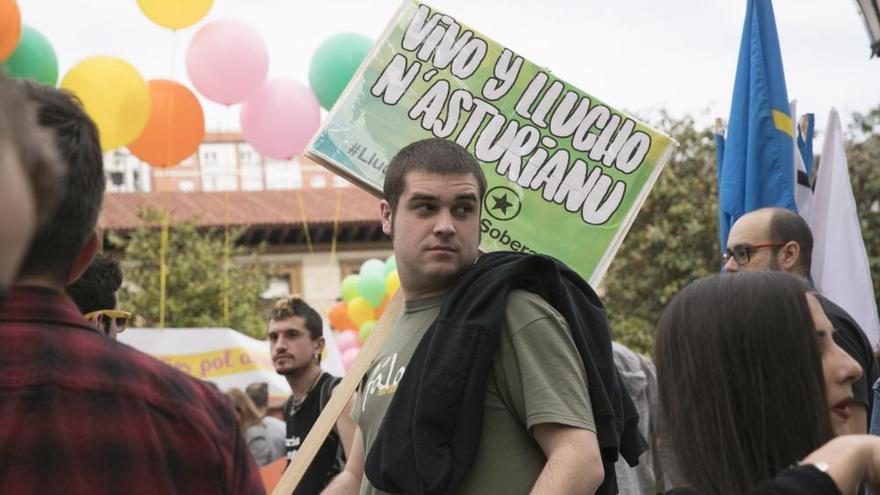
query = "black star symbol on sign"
x=501 y=203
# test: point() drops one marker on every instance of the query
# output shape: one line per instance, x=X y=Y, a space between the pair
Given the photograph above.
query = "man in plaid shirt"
x=81 y=413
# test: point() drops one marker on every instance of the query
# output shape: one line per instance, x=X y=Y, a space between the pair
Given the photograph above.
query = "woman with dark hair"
x=750 y=382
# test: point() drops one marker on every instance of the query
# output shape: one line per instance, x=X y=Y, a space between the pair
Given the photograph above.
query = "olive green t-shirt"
x=537 y=377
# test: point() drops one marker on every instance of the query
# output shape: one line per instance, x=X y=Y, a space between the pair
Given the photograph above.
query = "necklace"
x=298 y=403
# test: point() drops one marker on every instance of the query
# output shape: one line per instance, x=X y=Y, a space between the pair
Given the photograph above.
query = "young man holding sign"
x=483 y=408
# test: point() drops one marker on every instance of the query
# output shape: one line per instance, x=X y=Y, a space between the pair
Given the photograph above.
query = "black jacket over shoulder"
x=428 y=440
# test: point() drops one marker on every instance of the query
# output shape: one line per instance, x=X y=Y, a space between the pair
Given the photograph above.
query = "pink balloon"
x=280 y=118
x=348 y=357
x=227 y=61
x=347 y=340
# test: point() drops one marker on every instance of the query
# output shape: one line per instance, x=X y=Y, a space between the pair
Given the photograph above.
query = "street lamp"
x=871 y=14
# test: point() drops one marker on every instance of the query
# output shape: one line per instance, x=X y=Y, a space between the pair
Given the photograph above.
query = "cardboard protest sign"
x=567 y=173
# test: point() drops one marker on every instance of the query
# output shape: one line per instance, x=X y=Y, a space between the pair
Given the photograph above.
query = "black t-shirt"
x=850 y=337
x=331 y=457
x=801 y=480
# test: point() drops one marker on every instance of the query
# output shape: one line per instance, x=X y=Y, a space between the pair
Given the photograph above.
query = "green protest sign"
x=567 y=173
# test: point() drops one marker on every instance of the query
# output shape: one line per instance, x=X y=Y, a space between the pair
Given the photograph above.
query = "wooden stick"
x=341 y=395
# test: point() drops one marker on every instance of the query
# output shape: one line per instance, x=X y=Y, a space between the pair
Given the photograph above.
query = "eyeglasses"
x=111 y=315
x=742 y=253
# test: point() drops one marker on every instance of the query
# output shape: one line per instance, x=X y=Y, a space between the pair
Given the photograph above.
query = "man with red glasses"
x=779 y=239
x=96 y=292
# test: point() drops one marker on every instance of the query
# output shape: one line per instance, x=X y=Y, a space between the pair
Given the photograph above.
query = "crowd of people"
x=498 y=377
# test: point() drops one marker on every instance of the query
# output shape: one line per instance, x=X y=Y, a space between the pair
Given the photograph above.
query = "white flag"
x=840 y=262
x=803 y=195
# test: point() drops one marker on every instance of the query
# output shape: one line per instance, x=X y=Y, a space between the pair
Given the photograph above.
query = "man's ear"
x=90 y=247
x=319 y=345
x=387 y=217
x=790 y=255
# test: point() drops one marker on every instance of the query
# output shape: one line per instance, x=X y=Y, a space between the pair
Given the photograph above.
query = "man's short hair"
x=259 y=394
x=96 y=288
x=433 y=156
x=295 y=306
x=786 y=226
x=57 y=244
x=33 y=146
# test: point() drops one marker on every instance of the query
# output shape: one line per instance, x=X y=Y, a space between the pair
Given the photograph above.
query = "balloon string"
x=305 y=222
x=226 y=255
x=335 y=227
x=173 y=51
x=163 y=266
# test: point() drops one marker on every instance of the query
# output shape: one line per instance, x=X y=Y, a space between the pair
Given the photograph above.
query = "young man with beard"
x=296 y=341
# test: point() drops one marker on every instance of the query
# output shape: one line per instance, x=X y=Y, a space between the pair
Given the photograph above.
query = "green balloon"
x=350 y=288
x=390 y=264
x=367 y=329
x=33 y=58
x=373 y=268
x=334 y=63
x=372 y=288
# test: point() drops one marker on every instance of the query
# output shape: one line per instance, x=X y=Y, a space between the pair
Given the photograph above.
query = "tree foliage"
x=195 y=279
x=673 y=241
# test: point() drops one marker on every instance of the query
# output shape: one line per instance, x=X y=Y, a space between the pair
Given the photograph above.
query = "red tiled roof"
x=120 y=210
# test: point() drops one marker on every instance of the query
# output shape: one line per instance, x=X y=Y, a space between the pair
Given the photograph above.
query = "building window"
x=350 y=266
x=287 y=281
x=318 y=181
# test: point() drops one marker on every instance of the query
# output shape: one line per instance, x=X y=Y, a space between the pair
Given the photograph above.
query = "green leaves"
x=673 y=241
x=195 y=280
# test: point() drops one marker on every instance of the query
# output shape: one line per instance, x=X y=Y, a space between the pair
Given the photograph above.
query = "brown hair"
x=296 y=306
x=740 y=379
x=247 y=411
x=434 y=156
x=58 y=243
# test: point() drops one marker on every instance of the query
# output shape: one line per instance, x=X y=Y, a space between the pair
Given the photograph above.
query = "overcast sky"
x=638 y=55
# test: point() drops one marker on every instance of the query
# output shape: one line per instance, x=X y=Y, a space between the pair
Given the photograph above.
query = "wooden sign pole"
x=341 y=395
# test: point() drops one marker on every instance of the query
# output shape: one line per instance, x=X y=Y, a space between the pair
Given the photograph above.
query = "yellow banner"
x=218 y=363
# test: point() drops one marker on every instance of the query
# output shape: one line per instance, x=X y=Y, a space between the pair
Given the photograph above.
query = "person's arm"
x=346 y=427
x=259 y=446
x=850 y=460
x=348 y=482
x=574 y=465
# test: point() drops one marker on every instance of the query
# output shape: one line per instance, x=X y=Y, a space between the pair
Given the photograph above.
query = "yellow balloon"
x=175 y=14
x=359 y=311
x=114 y=95
x=392 y=283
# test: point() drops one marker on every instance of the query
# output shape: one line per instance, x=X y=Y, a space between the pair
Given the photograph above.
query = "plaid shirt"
x=83 y=414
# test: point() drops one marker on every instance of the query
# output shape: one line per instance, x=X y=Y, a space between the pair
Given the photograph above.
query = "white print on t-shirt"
x=292 y=445
x=386 y=370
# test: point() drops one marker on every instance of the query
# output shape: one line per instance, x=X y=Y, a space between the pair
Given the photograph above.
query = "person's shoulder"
x=524 y=308
x=167 y=388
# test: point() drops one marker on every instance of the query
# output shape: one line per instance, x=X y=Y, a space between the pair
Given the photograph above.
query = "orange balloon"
x=176 y=127
x=339 y=317
x=10 y=27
